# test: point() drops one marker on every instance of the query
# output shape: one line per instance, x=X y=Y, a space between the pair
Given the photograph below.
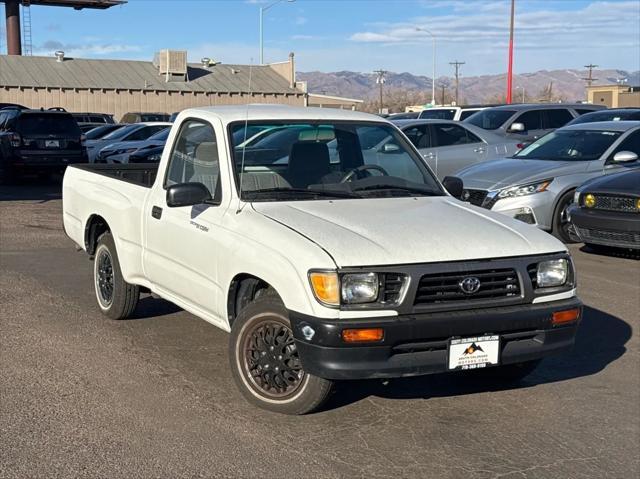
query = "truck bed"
x=141 y=175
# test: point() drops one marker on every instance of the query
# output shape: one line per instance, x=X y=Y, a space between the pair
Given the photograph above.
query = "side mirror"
x=453 y=185
x=187 y=194
x=390 y=148
x=517 y=127
x=625 y=157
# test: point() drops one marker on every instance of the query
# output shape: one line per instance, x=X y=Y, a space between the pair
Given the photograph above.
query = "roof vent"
x=59 y=56
x=208 y=62
x=172 y=64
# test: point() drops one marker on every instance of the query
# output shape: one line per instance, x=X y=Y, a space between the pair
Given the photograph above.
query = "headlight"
x=359 y=288
x=552 y=273
x=523 y=190
x=576 y=197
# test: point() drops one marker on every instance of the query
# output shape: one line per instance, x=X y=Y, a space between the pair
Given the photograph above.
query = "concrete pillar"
x=12 y=11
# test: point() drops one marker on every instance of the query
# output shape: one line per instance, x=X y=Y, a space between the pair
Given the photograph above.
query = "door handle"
x=156 y=212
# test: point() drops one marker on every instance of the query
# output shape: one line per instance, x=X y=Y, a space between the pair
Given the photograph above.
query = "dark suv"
x=38 y=141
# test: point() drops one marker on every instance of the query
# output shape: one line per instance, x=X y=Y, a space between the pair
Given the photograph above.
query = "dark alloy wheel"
x=104 y=277
x=270 y=359
x=265 y=363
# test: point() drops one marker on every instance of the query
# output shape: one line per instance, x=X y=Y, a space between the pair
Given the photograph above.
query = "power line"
x=380 y=80
x=456 y=64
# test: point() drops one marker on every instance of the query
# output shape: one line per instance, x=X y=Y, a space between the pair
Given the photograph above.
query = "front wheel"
x=562 y=227
x=265 y=363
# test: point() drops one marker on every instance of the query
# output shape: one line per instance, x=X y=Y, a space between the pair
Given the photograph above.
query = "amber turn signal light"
x=562 y=317
x=365 y=335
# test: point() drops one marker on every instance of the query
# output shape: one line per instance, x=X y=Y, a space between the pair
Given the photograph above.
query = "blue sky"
x=359 y=35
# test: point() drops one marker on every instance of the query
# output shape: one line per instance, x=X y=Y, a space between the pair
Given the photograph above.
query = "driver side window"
x=194 y=158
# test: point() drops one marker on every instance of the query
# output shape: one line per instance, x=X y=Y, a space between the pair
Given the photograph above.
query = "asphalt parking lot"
x=84 y=396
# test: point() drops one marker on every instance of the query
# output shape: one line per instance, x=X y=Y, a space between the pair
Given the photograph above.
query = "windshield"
x=100 y=131
x=162 y=135
x=574 y=145
x=120 y=132
x=309 y=160
x=606 y=116
x=490 y=119
x=441 y=114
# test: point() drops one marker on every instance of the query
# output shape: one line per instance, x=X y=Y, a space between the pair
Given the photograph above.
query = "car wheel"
x=562 y=227
x=117 y=299
x=265 y=364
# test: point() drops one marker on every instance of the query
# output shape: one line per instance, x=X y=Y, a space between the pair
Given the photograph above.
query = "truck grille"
x=615 y=203
x=392 y=284
x=445 y=287
x=475 y=197
x=612 y=238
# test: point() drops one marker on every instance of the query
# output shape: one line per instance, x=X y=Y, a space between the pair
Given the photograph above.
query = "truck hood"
x=498 y=174
x=372 y=232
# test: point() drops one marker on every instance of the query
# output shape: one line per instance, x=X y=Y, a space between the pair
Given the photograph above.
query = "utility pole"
x=456 y=65
x=510 y=64
x=380 y=81
x=590 y=78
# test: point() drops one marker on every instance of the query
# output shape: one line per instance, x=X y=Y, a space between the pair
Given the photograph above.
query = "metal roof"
x=31 y=71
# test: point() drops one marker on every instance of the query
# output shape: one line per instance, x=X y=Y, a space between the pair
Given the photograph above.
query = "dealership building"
x=167 y=84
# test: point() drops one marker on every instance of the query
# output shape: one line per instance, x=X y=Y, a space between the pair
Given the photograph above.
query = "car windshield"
x=440 y=114
x=573 y=145
x=119 y=133
x=490 y=119
x=313 y=160
x=48 y=124
x=101 y=131
x=162 y=135
x=607 y=116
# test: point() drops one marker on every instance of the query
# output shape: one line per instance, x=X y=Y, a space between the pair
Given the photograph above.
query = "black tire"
x=509 y=373
x=561 y=225
x=261 y=341
x=117 y=299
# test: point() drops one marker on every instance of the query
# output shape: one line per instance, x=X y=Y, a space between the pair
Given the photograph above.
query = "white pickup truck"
x=325 y=257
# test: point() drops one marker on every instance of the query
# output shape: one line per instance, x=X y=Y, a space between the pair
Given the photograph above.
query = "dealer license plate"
x=473 y=353
x=52 y=144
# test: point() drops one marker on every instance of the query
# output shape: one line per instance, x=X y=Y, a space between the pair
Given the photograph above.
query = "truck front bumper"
x=417 y=344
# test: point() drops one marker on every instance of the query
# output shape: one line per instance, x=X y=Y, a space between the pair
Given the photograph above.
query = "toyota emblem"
x=469 y=285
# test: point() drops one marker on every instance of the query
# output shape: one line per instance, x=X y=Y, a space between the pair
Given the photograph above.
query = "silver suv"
x=528 y=122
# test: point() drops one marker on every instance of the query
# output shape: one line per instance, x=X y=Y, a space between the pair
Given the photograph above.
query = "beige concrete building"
x=329 y=101
x=614 y=96
x=167 y=84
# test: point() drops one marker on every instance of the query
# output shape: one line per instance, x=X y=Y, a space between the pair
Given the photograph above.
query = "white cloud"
x=604 y=32
x=85 y=50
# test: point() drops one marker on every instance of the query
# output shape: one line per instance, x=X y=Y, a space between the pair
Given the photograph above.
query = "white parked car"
x=321 y=270
x=455 y=113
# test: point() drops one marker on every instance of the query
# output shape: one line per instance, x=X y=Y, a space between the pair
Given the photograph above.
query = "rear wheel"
x=116 y=298
x=265 y=362
x=562 y=227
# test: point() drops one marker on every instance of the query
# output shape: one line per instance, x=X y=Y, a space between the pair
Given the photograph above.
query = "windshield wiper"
x=389 y=188
x=294 y=191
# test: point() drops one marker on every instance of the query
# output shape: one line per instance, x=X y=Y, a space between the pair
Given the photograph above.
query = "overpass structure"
x=12 y=14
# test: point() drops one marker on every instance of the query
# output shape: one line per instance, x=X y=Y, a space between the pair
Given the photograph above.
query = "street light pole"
x=262 y=10
x=521 y=88
x=433 y=73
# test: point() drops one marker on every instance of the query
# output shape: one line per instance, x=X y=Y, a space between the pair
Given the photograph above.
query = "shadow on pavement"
x=593 y=351
x=610 y=251
x=33 y=189
x=150 y=307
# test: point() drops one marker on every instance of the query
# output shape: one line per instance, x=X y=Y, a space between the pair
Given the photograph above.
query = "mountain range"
x=567 y=85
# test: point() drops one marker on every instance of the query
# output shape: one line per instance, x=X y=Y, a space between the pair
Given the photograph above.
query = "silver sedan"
x=449 y=146
x=537 y=184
